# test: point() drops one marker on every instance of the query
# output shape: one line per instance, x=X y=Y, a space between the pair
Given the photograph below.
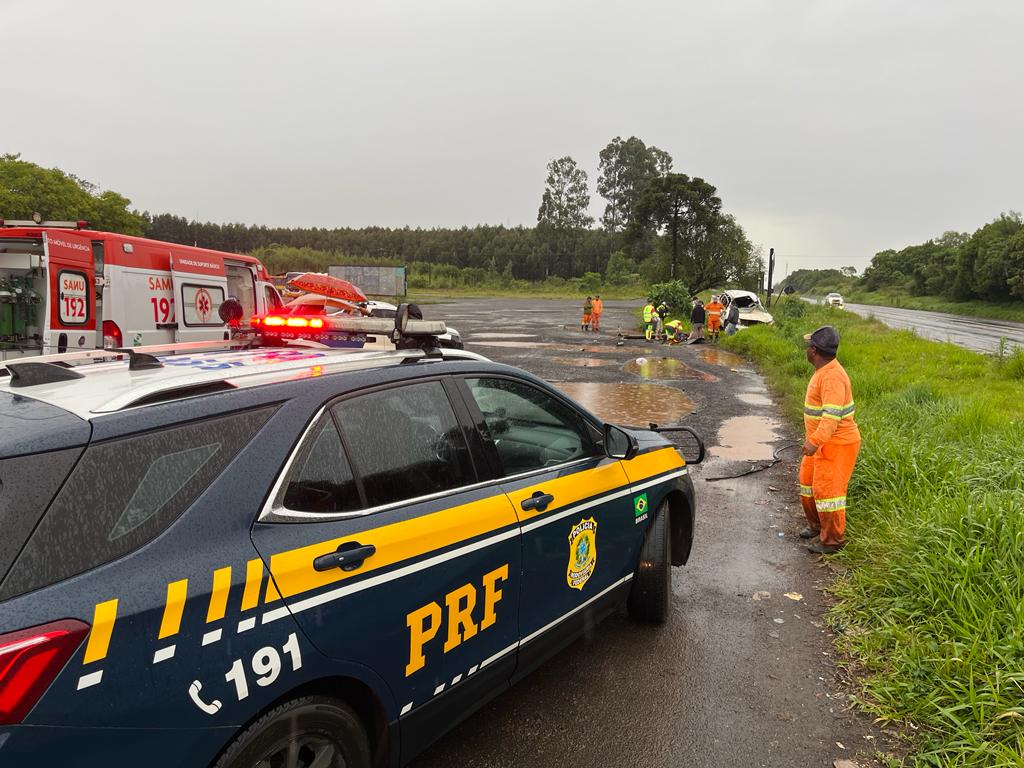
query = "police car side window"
x=530 y=428
x=320 y=479
x=122 y=493
x=405 y=442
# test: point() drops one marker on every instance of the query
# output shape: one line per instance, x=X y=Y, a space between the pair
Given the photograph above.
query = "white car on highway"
x=834 y=300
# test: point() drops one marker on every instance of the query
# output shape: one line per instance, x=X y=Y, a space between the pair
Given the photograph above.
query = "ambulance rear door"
x=70 y=317
x=200 y=287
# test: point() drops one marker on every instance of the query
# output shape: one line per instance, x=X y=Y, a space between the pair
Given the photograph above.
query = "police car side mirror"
x=619 y=444
x=230 y=310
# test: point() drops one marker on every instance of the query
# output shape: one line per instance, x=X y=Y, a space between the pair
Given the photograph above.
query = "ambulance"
x=64 y=287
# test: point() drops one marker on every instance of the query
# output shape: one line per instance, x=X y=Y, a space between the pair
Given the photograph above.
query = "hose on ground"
x=752 y=470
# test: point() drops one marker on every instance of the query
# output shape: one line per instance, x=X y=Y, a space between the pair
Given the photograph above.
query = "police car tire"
x=652 y=582
x=306 y=715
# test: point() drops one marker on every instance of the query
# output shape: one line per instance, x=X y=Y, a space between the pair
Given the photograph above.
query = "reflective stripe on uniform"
x=812 y=410
x=805 y=490
x=830 y=505
x=838 y=412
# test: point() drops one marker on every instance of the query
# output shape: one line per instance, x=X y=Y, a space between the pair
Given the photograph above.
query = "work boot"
x=817 y=548
x=810 y=533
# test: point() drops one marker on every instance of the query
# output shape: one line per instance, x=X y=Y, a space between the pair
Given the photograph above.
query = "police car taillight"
x=30 y=660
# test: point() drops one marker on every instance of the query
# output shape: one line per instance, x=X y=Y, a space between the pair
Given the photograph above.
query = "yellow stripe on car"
x=219 y=594
x=293 y=572
x=654 y=463
x=103 y=617
x=174 y=608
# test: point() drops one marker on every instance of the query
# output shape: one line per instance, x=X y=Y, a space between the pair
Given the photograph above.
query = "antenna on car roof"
x=33 y=374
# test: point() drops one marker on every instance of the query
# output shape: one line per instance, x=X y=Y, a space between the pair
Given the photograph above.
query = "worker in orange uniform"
x=831 y=445
x=595 y=314
x=713 y=309
x=588 y=310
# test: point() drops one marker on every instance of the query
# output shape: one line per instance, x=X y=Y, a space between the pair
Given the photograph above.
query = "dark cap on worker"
x=825 y=340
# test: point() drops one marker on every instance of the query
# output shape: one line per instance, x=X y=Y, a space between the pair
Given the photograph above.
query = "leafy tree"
x=688 y=212
x=620 y=270
x=26 y=188
x=626 y=167
x=563 y=212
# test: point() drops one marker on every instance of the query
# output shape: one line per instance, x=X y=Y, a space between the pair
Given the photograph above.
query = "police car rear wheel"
x=311 y=732
x=652 y=581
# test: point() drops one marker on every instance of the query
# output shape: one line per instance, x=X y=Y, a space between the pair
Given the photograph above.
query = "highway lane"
x=977 y=333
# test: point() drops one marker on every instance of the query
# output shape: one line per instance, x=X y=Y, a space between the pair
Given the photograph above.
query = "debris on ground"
x=762 y=595
x=794 y=596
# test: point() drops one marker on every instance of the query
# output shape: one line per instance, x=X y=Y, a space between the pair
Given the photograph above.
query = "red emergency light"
x=277 y=321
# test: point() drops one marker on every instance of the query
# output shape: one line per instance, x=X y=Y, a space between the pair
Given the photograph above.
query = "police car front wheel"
x=652 y=580
x=310 y=731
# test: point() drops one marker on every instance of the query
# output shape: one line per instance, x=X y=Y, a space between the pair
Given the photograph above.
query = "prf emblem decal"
x=582 y=553
x=640 y=508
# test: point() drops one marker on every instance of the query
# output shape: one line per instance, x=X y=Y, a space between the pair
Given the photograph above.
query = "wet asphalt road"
x=741 y=675
x=977 y=333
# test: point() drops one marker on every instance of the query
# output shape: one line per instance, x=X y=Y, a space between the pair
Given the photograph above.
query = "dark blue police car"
x=304 y=557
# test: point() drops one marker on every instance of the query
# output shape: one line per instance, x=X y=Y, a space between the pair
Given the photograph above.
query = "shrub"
x=673 y=293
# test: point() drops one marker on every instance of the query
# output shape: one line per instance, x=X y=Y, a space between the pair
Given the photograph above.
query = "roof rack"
x=415 y=337
x=140 y=358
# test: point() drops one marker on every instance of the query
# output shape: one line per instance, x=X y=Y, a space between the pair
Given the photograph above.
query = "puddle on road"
x=503 y=336
x=754 y=398
x=721 y=357
x=631 y=404
x=744 y=438
x=666 y=368
x=583 y=362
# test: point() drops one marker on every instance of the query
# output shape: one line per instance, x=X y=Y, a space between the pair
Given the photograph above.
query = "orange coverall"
x=714 y=312
x=595 y=315
x=829 y=424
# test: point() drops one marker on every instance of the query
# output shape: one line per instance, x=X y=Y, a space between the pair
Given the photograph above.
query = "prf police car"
x=304 y=556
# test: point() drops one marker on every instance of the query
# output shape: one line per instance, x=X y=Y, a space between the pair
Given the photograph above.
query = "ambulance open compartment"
x=48 y=301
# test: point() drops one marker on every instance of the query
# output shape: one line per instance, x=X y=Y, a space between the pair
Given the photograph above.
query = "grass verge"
x=931 y=604
x=1013 y=311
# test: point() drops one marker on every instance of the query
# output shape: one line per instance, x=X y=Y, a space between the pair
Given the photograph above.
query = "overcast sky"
x=831 y=129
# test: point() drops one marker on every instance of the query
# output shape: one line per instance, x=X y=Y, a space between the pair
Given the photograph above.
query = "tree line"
x=986 y=265
x=656 y=225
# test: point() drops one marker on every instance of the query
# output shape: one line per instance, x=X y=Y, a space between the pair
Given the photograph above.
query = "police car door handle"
x=348 y=557
x=538 y=501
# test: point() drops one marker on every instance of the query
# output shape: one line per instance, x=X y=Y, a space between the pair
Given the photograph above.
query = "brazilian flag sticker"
x=640 y=504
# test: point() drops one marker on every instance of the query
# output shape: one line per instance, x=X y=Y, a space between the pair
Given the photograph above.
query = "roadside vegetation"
x=979 y=274
x=930 y=596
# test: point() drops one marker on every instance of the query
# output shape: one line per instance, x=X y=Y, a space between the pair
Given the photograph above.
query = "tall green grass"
x=931 y=604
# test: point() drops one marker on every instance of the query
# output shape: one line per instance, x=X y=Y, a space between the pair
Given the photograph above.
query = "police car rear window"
x=123 y=493
x=321 y=479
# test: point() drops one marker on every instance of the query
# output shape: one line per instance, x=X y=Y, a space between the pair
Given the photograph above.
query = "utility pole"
x=771 y=269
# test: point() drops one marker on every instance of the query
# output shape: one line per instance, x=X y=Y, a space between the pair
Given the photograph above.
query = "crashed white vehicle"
x=752 y=312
